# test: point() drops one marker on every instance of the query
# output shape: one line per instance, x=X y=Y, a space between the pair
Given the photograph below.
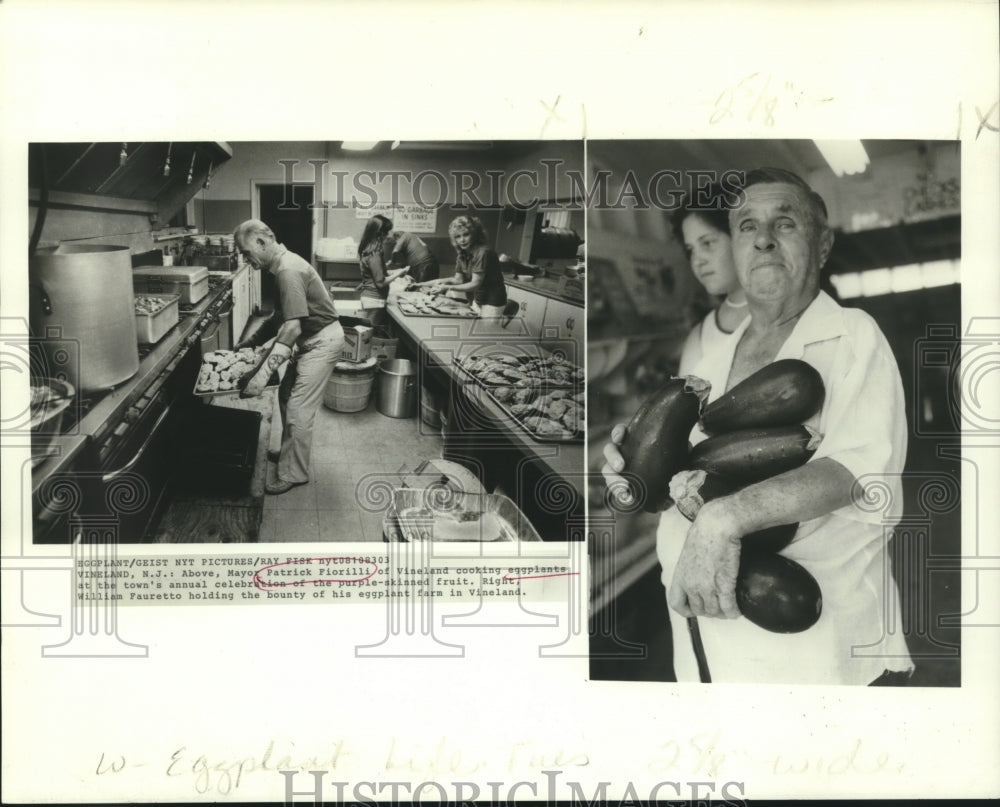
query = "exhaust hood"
x=153 y=178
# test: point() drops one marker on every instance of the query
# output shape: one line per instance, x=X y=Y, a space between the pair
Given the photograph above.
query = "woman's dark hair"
x=710 y=207
x=375 y=230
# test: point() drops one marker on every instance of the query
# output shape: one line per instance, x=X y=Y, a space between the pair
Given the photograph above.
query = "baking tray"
x=577 y=437
x=273 y=381
x=468 y=313
x=548 y=383
x=495 y=511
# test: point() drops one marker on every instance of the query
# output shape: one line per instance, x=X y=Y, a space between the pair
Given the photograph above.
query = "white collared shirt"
x=863 y=424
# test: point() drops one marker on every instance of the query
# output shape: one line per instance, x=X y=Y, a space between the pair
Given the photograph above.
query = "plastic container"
x=397 y=388
x=424 y=515
x=350 y=386
x=150 y=328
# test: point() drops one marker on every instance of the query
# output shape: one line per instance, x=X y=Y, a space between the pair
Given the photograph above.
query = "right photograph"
x=775 y=411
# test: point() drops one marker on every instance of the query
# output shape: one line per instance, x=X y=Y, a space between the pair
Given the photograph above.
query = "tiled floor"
x=356 y=459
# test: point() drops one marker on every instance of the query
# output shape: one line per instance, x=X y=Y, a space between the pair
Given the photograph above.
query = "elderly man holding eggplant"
x=798 y=429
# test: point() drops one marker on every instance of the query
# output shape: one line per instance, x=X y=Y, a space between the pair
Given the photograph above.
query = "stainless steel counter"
x=444 y=338
x=545 y=286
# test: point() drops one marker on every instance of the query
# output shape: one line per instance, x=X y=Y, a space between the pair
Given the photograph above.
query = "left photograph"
x=252 y=342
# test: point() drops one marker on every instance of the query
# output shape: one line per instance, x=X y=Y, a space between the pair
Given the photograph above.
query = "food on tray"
x=523 y=371
x=544 y=394
x=416 y=302
x=546 y=427
x=222 y=370
x=523 y=395
x=151 y=304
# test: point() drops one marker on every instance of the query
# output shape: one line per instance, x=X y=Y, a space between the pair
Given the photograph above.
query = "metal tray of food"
x=550 y=416
x=450 y=516
x=235 y=364
x=549 y=413
x=427 y=305
x=506 y=369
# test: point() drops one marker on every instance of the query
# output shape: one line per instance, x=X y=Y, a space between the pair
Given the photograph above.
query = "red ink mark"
x=510 y=578
x=262 y=584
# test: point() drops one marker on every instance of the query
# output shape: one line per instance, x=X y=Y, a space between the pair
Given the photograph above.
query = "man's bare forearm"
x=815 y=489
x=289 y=332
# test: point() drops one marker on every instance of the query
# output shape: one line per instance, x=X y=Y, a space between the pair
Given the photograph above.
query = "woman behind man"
x=477 y=268
x=704 y=232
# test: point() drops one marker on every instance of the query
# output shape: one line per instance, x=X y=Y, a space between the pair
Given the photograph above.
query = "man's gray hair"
x=250 y=228
x=765 y=176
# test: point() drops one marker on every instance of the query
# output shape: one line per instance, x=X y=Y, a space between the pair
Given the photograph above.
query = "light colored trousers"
x=300 y=395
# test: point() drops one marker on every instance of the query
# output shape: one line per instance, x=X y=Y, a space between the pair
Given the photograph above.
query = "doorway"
x=288 y=211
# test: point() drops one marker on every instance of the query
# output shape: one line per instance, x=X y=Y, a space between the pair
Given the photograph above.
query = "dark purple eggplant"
x=656 y=442
x=752 y=455
x=783 y=393
x=776 y=593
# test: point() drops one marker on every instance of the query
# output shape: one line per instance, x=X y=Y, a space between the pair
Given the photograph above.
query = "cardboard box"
x=357 y=343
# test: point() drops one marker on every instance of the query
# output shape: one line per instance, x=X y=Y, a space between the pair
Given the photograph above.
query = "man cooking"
x=780 y=241
x=305 y=323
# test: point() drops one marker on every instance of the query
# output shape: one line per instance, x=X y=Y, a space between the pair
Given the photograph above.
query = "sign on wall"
x=410 y=218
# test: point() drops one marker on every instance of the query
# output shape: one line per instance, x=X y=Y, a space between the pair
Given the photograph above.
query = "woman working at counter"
x=477 y=268
x=375 y=275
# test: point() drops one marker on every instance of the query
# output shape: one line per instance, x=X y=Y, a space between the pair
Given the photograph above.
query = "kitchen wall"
x=227 y=201
x=919 y=183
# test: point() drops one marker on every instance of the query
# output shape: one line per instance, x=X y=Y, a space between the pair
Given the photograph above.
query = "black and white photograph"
x=495 y=402
x=248 y=342
x=773 y=338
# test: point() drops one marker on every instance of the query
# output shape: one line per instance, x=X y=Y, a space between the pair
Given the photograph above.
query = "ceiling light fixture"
x=844 y=157
x=443 y=145
x=358 y=145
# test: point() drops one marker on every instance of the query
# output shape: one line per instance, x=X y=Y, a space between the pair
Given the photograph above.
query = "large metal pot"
x=83 y=295
x=397 y=388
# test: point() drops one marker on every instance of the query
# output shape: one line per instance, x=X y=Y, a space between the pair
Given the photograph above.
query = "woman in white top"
x=704 y=232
